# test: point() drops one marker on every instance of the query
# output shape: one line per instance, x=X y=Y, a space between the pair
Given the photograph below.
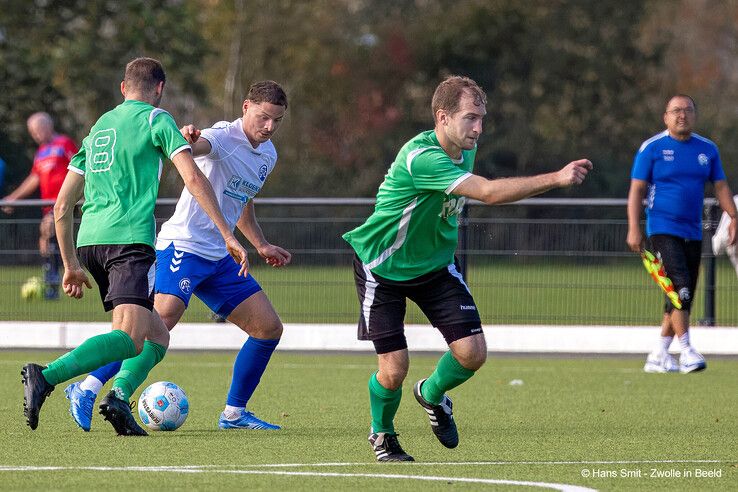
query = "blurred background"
x=565 y=80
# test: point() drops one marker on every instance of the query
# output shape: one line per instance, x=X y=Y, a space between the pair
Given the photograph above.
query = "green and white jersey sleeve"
x=414 y=229
x=121 y=160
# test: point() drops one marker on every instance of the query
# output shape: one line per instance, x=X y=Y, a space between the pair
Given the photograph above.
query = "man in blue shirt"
x=673 y=167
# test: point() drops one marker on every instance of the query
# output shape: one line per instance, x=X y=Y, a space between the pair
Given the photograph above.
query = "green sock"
x=448 y=374
x=134 y=371
x=93 y=353
x=384 y=403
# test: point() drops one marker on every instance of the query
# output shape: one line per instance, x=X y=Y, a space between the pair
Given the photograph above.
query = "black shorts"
x=125 y=273
x=681 y=260
x=442 y=296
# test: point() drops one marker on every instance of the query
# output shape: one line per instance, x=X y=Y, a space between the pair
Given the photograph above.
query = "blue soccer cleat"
x=81 y=404
x=246 y=420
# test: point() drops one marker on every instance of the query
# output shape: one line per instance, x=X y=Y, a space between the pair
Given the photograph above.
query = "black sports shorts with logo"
x=681 y=260
x=442 y=296
x=124 y=273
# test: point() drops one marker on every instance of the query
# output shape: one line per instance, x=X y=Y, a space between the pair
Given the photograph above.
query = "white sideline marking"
x=489 y=463
x=210 y=469
x=342 y=337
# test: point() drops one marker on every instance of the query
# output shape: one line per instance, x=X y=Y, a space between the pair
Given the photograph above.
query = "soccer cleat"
x=81 y=404
x=660 y=362
x=441 y=417
x=118 y=413
x=246 y=420
x=387 y=448
x=35 y=391
x=691 y=361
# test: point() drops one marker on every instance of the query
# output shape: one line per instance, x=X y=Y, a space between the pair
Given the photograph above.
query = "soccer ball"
x=163 y=406
x=32 y=289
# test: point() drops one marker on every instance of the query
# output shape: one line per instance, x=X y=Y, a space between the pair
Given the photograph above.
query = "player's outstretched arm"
x=199 y=186
x=74 y=277
x=637 y=193
x=247 y=224
x=200 y=146
x=506 y=190
x=27 y=187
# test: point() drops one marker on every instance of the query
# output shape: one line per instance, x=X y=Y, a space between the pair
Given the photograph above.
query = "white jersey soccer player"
x=191 y=259
x=237 y=171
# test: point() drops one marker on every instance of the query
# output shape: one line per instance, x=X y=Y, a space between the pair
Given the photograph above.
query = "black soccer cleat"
x=387 y=447
x=441 y=417
x=35 y=391
x=118 y=413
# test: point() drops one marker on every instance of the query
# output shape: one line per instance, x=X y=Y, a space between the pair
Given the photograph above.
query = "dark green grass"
x=580 y=410
x=537 y=291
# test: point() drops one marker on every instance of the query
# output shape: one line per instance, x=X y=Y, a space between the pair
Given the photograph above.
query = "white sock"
x=91 y=383
x=232 y=413
x=665 y=343
x=684 y=341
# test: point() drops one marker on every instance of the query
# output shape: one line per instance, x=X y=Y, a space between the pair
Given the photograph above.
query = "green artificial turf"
x=561 y=419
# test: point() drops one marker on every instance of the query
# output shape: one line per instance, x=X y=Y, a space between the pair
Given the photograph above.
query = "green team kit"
x=121 y=160
x=405 y=250
x=414 y=227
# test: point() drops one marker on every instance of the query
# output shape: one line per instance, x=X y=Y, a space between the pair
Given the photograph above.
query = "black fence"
x=539 y=261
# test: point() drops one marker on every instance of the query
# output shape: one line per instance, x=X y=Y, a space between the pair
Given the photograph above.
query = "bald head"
x=41 y=127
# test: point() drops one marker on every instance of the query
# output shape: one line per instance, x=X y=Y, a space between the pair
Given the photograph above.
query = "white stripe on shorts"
x=453 y=271
x=370 y=288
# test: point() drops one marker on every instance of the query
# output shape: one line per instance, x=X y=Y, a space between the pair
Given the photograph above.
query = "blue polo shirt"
x=676 y=172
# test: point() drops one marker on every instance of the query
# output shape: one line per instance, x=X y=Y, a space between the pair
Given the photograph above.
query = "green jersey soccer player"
x=405 y=250
x=118 y=168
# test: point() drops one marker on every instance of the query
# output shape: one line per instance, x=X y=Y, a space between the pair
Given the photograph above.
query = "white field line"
x=485 y=463
x=290 y=365
x=190 y=469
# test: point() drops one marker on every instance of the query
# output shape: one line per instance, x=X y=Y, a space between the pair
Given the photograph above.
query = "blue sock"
x=105 y=373
x=250 y=364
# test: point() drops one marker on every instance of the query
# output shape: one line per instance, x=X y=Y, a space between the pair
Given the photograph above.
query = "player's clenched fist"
x=190 y=133
x=574 y=172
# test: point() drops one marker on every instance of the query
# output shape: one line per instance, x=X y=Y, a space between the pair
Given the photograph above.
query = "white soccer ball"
x=163 y=406
x=32 y=289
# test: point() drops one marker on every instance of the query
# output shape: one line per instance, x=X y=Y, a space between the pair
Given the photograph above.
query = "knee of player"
x=392 y=378
x=475 y=361
x=276 y=329
x=473 y=358
x=169 y=320
x=271 y=330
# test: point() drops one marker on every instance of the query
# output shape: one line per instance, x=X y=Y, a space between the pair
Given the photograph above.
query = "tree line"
x=565 y=79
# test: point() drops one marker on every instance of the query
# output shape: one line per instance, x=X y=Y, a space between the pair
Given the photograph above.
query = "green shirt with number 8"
x=121 y=160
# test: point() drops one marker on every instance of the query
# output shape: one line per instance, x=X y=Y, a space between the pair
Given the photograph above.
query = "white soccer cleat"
x=660 y=362
x=691 y=361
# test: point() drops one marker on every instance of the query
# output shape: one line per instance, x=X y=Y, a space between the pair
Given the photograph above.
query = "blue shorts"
x=216 y=283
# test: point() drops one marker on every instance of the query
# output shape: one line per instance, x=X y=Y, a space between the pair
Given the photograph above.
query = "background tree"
x=565 y=79
x=67 y=58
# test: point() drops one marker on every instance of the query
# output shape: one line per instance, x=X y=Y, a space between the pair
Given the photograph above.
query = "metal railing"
x=538 y=261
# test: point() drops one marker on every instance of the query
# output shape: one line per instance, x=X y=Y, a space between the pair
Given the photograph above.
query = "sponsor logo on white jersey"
x=242 y=189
